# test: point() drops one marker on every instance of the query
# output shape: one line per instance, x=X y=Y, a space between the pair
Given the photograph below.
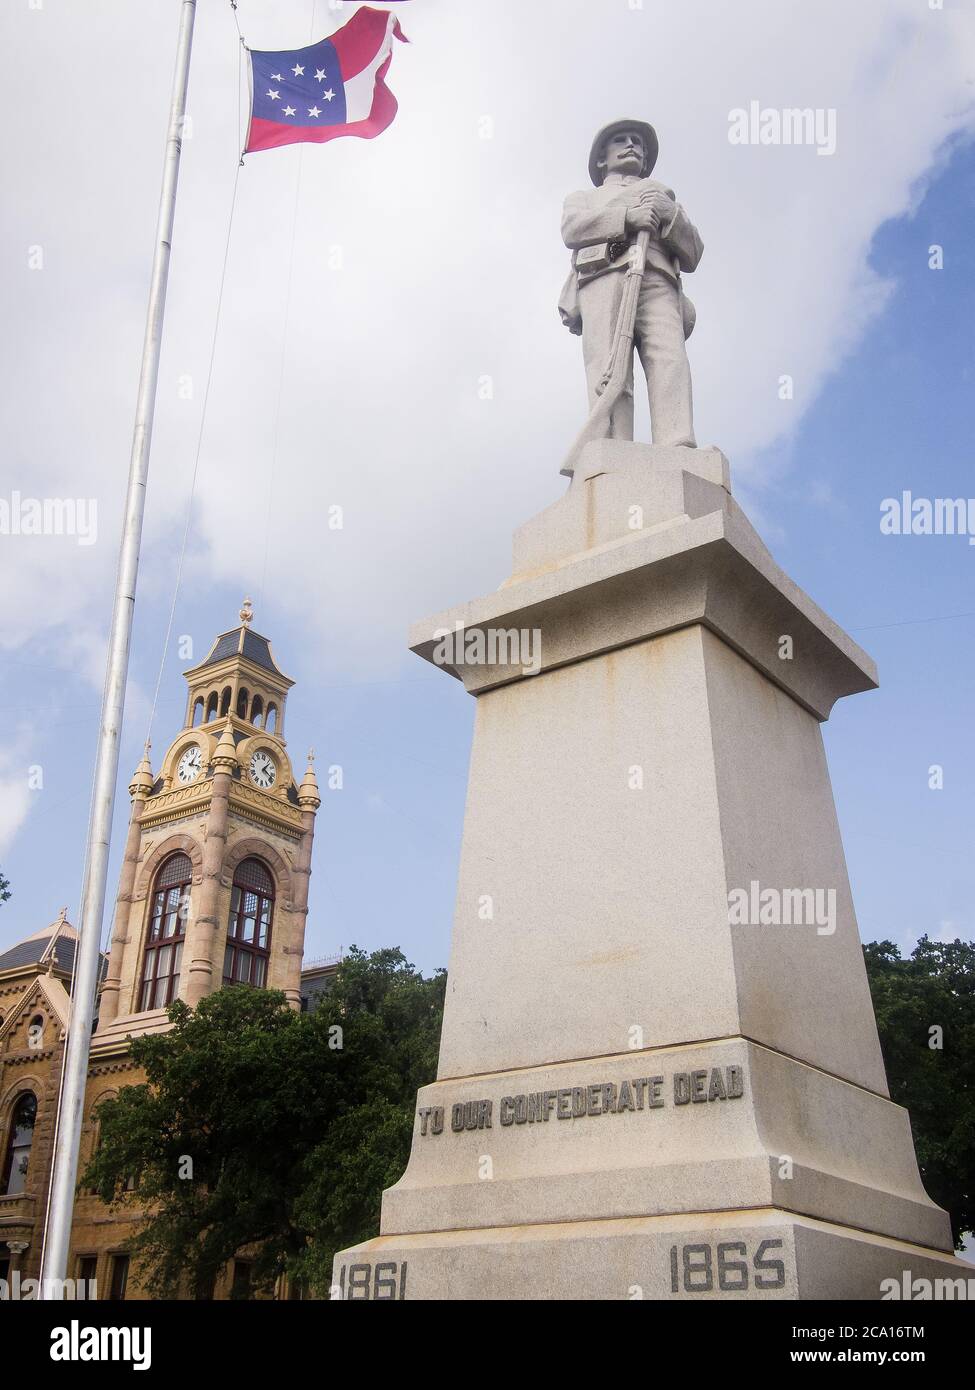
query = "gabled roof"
x=54 y=993
x=62 y=927
x=34 y=951
x=58 y=940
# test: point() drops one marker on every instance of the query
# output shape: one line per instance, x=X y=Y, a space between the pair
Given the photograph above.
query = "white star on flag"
x=314 y=111
x=298 y=70
x=319 y=74
x=289 y=111
x=328 y=95
x=272 y=94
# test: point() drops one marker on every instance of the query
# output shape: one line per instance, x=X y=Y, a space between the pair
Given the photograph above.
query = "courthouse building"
x=213 y=891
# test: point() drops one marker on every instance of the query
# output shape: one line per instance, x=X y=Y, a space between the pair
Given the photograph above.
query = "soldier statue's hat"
x=650 y=144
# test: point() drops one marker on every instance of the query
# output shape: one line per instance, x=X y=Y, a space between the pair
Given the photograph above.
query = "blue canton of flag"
x=308 y=92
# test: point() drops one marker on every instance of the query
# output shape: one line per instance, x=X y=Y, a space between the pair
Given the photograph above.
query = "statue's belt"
x=590 y=261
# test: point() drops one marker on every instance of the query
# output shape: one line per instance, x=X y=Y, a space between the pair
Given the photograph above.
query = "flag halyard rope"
x=202 y=426
x=284 y=343
x=272 y=471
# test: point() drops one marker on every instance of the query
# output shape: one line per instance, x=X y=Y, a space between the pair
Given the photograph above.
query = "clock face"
x=263 y=771
x=190 y=765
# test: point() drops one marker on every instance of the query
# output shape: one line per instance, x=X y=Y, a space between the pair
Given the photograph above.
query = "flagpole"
x=54 y=1259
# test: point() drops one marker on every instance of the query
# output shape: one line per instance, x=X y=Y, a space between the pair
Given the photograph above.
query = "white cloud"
x=15 y=793
x=952 y=929
x=451 y=268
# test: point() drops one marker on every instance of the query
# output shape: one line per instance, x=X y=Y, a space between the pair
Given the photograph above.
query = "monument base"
x=659 y=1071
x=749 y=1254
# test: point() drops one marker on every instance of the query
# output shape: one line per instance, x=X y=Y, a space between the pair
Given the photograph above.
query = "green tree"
x=926 y=1021
x=263 y=1130
x=4 y=889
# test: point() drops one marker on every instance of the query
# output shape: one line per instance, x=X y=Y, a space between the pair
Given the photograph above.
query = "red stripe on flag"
x=358 y=42
x=266 y=135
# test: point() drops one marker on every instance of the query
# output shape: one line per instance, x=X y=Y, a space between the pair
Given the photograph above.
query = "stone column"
x=196 y=978
x=139 y=789
x=309 y=801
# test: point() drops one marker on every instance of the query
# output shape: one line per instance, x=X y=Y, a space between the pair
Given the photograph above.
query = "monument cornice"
x=710 y=569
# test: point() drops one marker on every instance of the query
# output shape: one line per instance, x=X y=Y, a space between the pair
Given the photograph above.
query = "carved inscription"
x=699 y=1087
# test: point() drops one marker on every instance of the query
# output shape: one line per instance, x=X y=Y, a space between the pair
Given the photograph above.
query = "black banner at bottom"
x=144 y=1338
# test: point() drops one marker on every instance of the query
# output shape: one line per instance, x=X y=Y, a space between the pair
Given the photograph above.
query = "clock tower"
x=214 y=883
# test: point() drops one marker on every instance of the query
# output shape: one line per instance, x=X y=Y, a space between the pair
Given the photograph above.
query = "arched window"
x=197 y=711
x=165 y=932
x=95 y=1125
x=225 y=701
x=257 y=711
x=212 y=706
x=249 y=930
x=242 y=698
x=271 y=722
x=19 y=1144
x=35 y=1031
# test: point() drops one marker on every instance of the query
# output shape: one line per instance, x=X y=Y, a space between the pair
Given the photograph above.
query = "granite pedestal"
x=659 y=1072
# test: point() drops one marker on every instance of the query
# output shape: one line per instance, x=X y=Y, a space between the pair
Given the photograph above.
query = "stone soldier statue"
x=600 y=226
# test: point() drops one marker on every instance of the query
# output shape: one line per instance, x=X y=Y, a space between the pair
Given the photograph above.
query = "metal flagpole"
x=54 y=1258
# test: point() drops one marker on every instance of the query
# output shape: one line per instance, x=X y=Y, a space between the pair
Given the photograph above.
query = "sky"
x=388 y=343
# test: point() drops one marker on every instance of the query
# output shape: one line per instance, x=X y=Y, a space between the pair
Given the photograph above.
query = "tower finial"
x=224 y=755
x=142 y=779
x=247 y=612
x=308 y=797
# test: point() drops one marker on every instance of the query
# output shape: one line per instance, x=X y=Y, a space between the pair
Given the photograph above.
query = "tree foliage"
x=4 y=888
x=268 y=1132
x=932 y=1073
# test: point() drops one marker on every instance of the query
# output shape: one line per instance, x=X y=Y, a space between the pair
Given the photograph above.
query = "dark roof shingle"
x=29 y=952
x=250 y=645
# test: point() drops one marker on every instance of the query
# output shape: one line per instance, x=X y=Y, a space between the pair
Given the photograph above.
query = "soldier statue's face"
x=625 y=153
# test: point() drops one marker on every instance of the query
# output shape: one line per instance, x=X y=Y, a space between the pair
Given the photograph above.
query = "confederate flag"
x=336 y=87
